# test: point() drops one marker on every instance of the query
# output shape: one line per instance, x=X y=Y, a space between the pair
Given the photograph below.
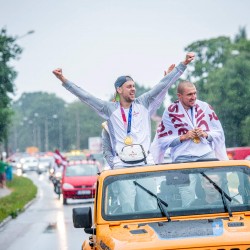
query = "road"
x=45 y=224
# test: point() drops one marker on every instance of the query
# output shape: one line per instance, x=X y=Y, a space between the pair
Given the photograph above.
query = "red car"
x=79 y=180
x=238 y=153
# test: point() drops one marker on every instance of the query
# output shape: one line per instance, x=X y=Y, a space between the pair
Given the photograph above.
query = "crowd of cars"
x=75 y=180
x=24 y=162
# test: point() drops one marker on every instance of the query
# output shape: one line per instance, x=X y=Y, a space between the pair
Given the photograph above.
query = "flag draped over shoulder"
x=176 y=122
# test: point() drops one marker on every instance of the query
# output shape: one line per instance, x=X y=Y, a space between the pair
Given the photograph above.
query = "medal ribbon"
x=192 y=118
x=127 y=124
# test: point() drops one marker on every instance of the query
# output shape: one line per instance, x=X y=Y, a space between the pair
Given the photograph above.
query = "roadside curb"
x=5 y=221
x=9 y=218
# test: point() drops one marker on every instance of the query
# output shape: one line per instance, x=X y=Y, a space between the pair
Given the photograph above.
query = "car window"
x=82 y=170
x=186 y=192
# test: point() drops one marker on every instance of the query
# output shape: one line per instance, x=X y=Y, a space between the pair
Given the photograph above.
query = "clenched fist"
x=189 y=58
x=58 y=73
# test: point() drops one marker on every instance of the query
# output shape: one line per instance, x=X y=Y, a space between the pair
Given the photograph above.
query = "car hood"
x=80 y=180
x=175 y=235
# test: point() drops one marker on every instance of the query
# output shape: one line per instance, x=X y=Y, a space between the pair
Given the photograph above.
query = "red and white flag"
x=59 y=158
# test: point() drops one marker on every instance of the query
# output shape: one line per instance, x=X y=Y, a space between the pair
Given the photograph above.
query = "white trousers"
x=132 y=197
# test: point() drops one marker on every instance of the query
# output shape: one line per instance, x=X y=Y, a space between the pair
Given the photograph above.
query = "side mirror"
x=82 y=217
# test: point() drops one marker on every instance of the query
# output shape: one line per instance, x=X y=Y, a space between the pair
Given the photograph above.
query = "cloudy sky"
x=95 y=41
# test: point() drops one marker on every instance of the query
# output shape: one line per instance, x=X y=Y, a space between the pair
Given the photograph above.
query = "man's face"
x=188 y=97
x=127 y=91
x=209 y=187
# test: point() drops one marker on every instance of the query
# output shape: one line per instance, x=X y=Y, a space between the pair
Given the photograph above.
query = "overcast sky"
x=95 y=41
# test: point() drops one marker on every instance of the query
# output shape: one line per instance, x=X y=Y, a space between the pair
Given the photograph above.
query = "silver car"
x=29 y=163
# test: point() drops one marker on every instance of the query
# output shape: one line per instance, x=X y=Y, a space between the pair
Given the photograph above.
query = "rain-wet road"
x=46 y=224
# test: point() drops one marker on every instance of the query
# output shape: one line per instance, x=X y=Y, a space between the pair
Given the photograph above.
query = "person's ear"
x=119 y=90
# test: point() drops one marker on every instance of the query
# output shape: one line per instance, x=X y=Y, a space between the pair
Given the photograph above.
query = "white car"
x=45 y=163
x=29 y=163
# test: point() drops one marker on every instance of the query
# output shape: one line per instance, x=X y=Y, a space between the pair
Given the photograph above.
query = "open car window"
x=186 y=192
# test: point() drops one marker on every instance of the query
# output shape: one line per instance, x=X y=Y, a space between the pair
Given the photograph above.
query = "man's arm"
x=100 y=106
x=156 y=95
x=107 y=148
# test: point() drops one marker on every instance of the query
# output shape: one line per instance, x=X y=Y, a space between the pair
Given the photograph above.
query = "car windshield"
x=178 y=193
x=82 y=170
x=46 y=160
x=29 y=159
x=76 y=157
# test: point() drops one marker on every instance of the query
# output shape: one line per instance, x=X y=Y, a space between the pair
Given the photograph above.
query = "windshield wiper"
x=224 y=195
x=159 y=201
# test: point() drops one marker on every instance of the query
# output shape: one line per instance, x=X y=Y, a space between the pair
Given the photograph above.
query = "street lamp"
x=37 y=131
x=55 y=116
x=46 y=146
x=24 y=35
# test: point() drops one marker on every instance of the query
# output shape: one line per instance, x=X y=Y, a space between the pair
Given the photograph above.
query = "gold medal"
x=196 y=140
x=128 y=140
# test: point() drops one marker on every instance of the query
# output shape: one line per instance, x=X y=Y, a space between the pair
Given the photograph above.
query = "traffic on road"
x=46 y=223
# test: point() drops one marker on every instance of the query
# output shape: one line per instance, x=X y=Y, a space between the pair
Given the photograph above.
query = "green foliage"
x=246 y=131
x=23 y=191
x=8 y=51
x=48 y=122
x=221 y=72
x=82 y=123
x=37 y=117
x=140 y=90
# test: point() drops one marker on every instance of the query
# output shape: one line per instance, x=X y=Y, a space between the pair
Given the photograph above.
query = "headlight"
x=18 y=165
x=67 y=186
x=22 y=160
x=58 y=174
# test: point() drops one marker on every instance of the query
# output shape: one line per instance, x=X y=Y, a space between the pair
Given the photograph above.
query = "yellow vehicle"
x=198 y=205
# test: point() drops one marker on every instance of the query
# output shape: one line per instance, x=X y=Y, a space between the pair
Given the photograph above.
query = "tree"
x=45 y=121
x=221 y=72
x=9 y=50
x=37 y=120
x=82 y=123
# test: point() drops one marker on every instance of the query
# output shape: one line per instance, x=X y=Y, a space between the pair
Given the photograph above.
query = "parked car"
x=79 y=180
x=28 y=163
x=220 y=222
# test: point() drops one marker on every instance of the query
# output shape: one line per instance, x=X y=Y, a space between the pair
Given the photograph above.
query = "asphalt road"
x=45 y=224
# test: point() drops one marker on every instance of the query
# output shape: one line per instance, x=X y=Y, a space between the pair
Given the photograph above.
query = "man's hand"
x=59 y=75
x=170 y=68
x=199 y=132
x=189 y=58
x=190 y=135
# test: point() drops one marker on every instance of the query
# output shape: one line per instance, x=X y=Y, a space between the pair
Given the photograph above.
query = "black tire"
x=65 y=201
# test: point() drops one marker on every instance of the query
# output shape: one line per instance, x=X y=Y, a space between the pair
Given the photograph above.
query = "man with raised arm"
x=128 y=119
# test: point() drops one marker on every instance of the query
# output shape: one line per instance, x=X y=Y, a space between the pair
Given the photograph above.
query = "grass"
x=23 y=191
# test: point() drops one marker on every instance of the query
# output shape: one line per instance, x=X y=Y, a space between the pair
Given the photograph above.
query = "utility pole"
x=77 y=130
x=60 y=135
x=46 y=146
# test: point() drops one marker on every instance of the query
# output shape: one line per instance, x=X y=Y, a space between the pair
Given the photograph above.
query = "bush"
x=23 y=191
